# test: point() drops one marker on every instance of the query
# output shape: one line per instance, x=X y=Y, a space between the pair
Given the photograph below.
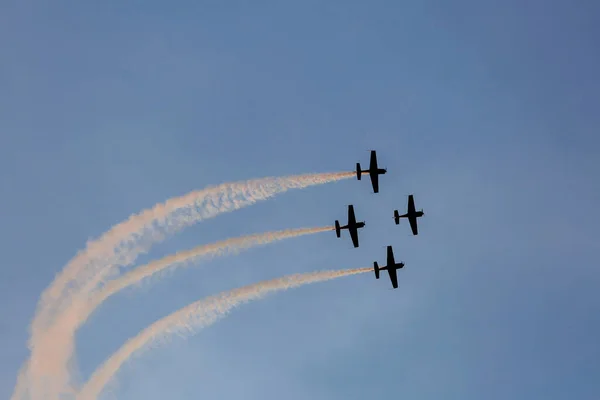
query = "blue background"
x=487 y=111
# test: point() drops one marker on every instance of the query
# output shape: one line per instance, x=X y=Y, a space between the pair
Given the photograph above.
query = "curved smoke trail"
x=183 y=258
x=62 y=334
x=120 y=246
x=188 y=320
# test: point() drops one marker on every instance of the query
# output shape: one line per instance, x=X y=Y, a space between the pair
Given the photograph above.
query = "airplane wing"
x=375 y=181
x=390 y=257
x=413 y=224
x=411 y=204
x=393 y=277
x=353 y=234
x=351 y=216
x=373 y=161
x=373 y=171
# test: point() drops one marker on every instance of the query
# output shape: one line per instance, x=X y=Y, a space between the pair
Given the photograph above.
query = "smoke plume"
x=190 y=319
x=60 y=337
x=119 y=247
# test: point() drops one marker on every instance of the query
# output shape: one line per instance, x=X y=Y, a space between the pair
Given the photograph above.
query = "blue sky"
x=485 y=110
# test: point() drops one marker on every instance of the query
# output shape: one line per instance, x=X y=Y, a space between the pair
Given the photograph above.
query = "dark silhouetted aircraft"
x=412 y=215
x=373 y=171
x=352 y=226
x=391 y=267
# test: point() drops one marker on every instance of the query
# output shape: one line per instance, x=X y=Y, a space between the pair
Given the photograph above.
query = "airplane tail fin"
x=358 y=171
x=396 y=217
x=376 y=268
x=337 y=228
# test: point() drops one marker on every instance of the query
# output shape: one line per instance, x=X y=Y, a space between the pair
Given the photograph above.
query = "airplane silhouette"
x=391 y=267
x=411 y=215
x=352 y=226
x=374 y=171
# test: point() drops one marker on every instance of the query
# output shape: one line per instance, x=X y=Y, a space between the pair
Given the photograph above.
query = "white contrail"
x=21 y=387
x=60 y=337
x=182 y=258
x=120 y=246
x=195 y=316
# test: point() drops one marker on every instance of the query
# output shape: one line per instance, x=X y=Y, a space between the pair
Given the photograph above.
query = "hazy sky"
x=486 y=110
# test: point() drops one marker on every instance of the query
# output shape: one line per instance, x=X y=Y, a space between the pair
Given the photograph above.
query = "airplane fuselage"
x=356 y=225
x=416 y=214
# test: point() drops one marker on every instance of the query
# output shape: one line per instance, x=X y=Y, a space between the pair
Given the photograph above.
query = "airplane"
x=352 y=226
x=412 y=215
x=373 y=171
x=391 y=267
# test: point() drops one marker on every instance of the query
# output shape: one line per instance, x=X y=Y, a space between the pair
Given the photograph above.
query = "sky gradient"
x=486 y=111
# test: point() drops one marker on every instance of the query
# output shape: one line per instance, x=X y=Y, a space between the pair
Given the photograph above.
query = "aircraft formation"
x=353 y=226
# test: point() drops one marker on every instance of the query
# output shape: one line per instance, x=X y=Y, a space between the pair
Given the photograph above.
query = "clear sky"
x=486 y=110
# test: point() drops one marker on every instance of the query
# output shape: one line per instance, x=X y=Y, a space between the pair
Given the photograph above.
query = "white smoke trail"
x=195 y=316
x=60 y=337
x=182 y=258
x=21 y=387
x=120 y=246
